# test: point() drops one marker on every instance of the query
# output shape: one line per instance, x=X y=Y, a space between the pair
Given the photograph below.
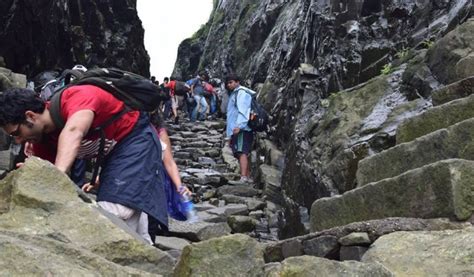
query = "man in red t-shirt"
x=174 y=99
x=130 y=181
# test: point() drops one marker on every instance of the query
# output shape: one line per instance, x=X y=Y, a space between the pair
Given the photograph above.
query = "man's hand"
x=87 y=187
x=235 y=131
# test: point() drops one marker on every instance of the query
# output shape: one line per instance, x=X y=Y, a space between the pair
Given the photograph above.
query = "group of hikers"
x=138 y=174
x=198 y=97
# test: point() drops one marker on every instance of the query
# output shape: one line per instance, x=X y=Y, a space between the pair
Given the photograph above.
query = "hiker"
x=238 y=133
x=189 y=101
x=171 y=85
x=197 y=91
x=172 y=173
x=153 y=80
x=167 y=103
x=130 y=181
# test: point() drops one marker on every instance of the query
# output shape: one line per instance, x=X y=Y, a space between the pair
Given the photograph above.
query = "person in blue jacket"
x=239 y=135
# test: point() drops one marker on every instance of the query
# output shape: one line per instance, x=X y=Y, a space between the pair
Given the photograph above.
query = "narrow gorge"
x=367 y=167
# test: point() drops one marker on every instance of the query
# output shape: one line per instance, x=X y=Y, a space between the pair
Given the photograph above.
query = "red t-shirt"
x=172 y=86
x=104 y=105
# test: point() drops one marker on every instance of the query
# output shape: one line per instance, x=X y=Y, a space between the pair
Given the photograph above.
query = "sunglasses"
x=16 y=133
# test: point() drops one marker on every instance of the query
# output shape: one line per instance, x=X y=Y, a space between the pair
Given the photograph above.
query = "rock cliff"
x=342 y=74
x=39 y=35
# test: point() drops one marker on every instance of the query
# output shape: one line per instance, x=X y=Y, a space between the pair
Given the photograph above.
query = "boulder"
x=46 y=255
x=198 y=231
x=457 y=141
x=271 y=179
x=440 y=253
x=322 y=246
x=445 y=55
x=238 y=190
x=436 y=118
x=170 y=243
x=356 y=238
x=308 y=266
x=234 y=255
x=459 y=89
x=325 y=243
x=40 y=201
x=241 y=224
x=441 y=189
x=352 y=253
x=10 y=79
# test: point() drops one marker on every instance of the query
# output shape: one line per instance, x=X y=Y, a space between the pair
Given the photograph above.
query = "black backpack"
x=181 y=88
x=258 y=119
x=164 y=93
x=137 y=92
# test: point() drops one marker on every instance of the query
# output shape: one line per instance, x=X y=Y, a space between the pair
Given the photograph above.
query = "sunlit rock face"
x=337 y=76
x=46 y=34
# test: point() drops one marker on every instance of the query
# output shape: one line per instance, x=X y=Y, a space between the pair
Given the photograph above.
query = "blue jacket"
x=131 y=173
x=198 y=87
x=238 y=110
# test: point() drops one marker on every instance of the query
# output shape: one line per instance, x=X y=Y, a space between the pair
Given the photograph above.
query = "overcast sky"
x=166 y=24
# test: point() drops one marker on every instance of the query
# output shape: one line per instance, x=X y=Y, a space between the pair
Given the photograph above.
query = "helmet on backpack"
x=80 y=67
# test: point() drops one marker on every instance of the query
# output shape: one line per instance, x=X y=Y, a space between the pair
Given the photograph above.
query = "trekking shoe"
x=245 y=179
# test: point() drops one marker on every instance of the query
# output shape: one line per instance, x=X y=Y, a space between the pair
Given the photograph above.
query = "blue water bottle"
x=187 y=206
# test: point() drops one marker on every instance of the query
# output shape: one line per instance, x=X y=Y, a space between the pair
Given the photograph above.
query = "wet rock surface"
x=58 y=34
x=224 y=204
x=45 y=224
x=310 y=61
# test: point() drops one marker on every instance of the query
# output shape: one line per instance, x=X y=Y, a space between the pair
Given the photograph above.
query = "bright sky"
x=166 y=24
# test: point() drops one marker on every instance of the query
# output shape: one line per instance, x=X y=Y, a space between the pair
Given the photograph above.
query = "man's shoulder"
x=241 y=90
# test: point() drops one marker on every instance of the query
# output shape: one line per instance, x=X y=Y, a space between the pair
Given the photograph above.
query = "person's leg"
x=194 y=114
x=174 y=107
x=244 y=165
x=213 y=104
x=131 y=217
x=241 y=148
x=203 y=104
x=167 y=111
x=142 y=228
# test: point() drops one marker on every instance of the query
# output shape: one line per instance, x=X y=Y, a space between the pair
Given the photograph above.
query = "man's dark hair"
x=204 y=75
x=166 y=79
x=15 y=102
x=232 y=77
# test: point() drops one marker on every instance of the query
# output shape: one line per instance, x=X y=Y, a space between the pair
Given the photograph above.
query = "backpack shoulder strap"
x=55 y=110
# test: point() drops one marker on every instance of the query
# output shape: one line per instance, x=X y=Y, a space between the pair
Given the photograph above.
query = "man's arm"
x=70 y=138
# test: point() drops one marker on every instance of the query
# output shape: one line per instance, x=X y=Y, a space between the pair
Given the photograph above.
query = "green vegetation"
x=387 y=69
x=427 y=43
x=402 y=54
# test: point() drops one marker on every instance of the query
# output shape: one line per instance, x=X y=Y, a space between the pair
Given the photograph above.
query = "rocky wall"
x=46 y=34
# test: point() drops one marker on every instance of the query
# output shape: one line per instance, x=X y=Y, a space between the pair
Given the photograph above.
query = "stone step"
x=436 y=118
x=440 y=189
x=459 y=89
x=457 y=141
x=271 y=179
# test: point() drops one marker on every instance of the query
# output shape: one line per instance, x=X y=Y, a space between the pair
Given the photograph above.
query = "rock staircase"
x=428 y=174
x=224 y=204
